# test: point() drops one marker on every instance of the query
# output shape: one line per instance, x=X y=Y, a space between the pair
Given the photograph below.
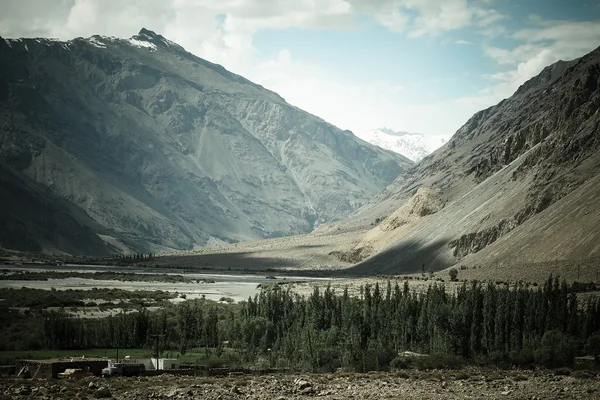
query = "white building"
x=166 y=363
x=163 y=363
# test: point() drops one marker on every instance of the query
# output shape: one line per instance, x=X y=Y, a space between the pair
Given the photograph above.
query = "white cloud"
x=565 y=39
x=488 y=16
x=542 y=45
x=459 y=42
x=504 y=84
x=436 y=17
x=392 y=18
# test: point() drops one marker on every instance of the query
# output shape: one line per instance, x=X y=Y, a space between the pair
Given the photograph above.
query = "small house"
x=165 y=364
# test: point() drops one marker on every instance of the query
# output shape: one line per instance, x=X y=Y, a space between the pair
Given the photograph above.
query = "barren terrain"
x=467 y=384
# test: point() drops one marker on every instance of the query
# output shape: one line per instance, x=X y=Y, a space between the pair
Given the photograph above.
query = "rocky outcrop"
x=537 y=202
x=353 y=256
x=473 y=242
x=425 y=201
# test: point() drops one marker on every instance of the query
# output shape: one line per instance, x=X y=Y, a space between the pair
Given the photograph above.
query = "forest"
x=481 y=323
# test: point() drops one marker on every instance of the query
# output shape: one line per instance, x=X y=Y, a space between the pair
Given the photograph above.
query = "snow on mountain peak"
x=414 y=146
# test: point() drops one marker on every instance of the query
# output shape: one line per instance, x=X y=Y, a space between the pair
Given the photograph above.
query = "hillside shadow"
x=406 y=258
x=239 y=260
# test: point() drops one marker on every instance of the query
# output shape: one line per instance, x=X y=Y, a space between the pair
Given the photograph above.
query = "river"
x=237 y=287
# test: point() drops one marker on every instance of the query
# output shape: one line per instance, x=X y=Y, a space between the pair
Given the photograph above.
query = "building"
x=51 y=368
x=164 y=364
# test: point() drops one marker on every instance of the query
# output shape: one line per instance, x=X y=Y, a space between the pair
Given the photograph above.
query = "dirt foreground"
x=465 y=384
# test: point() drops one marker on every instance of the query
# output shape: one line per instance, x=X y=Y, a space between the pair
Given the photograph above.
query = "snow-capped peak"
x=414 y=146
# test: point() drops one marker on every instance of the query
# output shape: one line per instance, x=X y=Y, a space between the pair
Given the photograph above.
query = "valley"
x=158 y=204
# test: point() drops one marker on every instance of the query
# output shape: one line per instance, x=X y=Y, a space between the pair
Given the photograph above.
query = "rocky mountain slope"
x=164 y=150
x=516 y=184
x=414 y=146
x=513 y=194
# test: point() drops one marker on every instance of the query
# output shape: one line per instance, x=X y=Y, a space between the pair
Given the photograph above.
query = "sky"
x=421 y=66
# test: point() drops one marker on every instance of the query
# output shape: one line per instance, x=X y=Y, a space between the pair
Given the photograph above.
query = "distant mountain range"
x=414 y=146
x=118 y=145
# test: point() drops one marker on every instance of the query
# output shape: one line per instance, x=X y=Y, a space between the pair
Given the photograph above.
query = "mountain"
x=33 y=218
x=414 y=146
x=513 y=195
x=152 y=148
x=516 y=185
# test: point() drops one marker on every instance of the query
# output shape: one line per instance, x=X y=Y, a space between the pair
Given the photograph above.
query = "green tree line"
x=548 y=325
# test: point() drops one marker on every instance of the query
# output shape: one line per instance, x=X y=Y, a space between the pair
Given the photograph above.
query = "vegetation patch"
x=100 y=275
x=382 y=329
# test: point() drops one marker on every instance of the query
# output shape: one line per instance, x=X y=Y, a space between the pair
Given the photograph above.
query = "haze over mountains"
x=512 y=194
x=135 y=144
x=414 y=146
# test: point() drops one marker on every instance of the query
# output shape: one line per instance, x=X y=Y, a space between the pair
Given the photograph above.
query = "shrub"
x=493 y=377
x=556 y=350
x=584 y=374
x=400 y=362
x=523 y=358
x=438 y=361
x=453 y=274
x=562 y=372
x=592 y=347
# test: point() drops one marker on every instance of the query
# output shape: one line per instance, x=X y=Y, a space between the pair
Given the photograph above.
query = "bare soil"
x=463 y=384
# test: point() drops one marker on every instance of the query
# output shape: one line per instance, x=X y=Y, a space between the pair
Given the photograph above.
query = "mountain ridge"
x=169 y=151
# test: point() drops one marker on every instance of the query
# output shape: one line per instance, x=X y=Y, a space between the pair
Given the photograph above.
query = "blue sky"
x=414 y=65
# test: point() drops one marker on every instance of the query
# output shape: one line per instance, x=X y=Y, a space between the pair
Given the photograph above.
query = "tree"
x=453 y=274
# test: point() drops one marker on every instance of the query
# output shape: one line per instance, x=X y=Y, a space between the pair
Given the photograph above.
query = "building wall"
x=163 y=363
x=166 y=363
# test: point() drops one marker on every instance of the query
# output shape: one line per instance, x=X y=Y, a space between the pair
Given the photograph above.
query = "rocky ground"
x=464 y=384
